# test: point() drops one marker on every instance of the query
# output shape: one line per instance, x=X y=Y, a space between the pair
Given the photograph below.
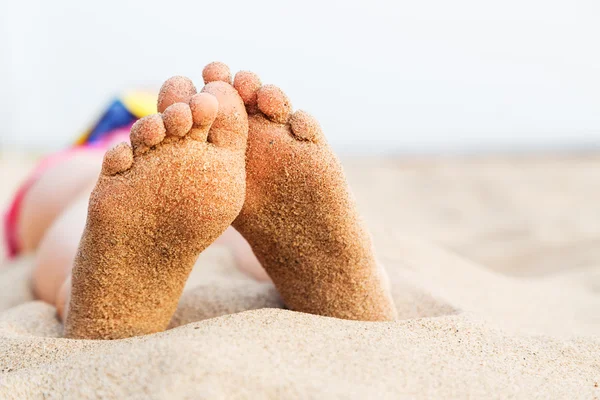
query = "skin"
x=57 y=249
x=155 y=207
x=56 y=252
x=53 y=193
x=299 y=216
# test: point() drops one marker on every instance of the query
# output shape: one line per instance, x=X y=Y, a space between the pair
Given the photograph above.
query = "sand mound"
x=219 y=350
x=465 y=329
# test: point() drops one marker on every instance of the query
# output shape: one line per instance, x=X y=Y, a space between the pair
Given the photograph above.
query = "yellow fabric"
x=140 y=103
x=83 y=138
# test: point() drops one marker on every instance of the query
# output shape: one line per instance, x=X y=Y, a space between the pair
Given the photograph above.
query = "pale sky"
x=407 y=76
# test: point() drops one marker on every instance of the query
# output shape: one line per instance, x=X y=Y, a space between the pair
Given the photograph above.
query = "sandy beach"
x=495 y=270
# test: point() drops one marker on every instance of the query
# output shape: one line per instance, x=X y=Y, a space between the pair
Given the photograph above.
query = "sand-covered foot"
x=299 y=216
x=155 y=207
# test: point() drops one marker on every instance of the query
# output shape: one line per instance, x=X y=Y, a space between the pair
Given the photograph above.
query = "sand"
x=505 y=304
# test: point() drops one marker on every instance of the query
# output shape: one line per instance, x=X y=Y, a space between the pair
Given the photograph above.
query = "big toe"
x=178 y=89
x=216 y=71
x=230 y=127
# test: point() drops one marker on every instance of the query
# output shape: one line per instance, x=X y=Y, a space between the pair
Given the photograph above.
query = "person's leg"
x=57 y=249
x=243 y=255
x=58 y=218
x=52 y=186
x=52 y=217
x=51 y=194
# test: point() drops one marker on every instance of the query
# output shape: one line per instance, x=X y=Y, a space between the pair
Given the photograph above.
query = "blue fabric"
x=116 y=116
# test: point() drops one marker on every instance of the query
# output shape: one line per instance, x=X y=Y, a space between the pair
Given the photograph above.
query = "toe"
x=305 y=126
x=147 y=132
x=230 y=127
x=216 y=71
x=117 y=159
x=177 y=89
x=177 y=119
x=274 y=103
x=204 y=108
x=247 y=84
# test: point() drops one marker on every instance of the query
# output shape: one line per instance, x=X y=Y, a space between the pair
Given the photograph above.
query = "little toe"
x=117 y=159
x=216 y=71
x=147 y=132
x=178 y=89
x=274 y=103
x=177 y=119
x=204 y=108
x=247 y=84
x=305 y=127
x=230 y=127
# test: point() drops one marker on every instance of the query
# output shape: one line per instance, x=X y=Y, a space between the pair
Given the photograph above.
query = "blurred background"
x=382 y=76
x=481 y=108
x=471 y=124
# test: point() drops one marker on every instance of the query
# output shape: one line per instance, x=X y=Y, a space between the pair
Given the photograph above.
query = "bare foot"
x=155 y=208
x=299 y=216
